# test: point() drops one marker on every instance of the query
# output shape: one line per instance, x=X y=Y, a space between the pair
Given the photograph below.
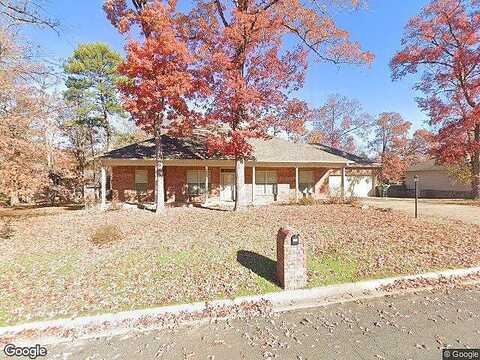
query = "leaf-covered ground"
x=49 y=267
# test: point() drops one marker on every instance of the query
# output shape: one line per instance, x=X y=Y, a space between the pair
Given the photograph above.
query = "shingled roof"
x=357 y=160
x=429 y=165
x=270 y=150
x=173 y=149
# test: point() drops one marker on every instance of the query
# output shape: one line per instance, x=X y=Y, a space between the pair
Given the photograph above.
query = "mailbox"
x=291 y=259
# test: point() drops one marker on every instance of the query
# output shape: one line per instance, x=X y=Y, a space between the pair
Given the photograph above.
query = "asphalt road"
x=411 y=326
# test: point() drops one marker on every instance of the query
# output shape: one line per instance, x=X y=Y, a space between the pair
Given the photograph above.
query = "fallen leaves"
x=50 y=269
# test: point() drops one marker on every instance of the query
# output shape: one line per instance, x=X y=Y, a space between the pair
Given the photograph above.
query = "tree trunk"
x=476 y=166
x=109 y=138
x=14 y=201
x=240 y=196
x=159 y=180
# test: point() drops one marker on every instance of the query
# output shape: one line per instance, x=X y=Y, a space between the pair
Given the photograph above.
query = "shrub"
x=340 y=200
x=106 y=235
x=90 y=202
x=6 y=230
x=307 y=200
x=114 y=205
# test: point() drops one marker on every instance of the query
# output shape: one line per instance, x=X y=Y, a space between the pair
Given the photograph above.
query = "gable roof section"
x=355 y=159
x=173 y=149
x=429 y=165
x=270 y=150
x=280 y=150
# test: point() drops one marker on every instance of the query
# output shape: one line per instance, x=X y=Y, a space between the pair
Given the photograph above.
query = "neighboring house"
x=434 y=182
x=282 y=171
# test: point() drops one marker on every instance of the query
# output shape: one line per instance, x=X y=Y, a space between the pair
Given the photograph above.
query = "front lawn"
x=50 y=267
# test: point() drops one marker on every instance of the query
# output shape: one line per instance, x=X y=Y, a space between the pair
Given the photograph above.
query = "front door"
x=227 y=190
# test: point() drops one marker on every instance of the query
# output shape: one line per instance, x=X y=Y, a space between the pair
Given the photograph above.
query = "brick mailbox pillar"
x=291 y=260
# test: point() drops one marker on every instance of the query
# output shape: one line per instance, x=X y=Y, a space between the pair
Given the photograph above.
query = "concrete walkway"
x=430 y=208
x=413 y=326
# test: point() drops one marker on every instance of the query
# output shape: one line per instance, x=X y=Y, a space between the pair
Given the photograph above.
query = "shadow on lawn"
x=259 y=264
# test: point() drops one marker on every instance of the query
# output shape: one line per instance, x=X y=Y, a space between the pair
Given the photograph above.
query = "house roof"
x=270 y=150
x=280 y=150
x=429 y=165
x=357 y=160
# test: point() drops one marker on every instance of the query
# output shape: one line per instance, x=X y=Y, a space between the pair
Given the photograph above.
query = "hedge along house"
x=277 y=171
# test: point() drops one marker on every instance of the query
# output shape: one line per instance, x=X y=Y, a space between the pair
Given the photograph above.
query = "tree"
x=26 y=12
x=79 y=140
x=390 y=143
x=129 y=137
x=92 y=76
x=253 y=72
x=159 y=78
x=339 y=123
x=239 y=49
x=23 y=154
x=443 y=42
x=289 y=118
x=421 y=147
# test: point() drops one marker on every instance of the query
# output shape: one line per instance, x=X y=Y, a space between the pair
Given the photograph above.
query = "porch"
x=213 y=182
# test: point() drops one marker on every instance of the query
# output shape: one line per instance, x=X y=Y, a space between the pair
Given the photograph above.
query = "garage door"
x=360 y=186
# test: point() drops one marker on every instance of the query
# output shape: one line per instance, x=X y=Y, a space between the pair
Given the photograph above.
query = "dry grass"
x=50 y=268
x=106 y=235
x=6 y=230
x=31 y=211
x=340 y=200
x=305 y=201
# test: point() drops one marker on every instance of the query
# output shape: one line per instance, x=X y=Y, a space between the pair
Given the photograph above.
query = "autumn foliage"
x=443 y=42
x=339 y=123
x=28 y=162
x=242 y=44
x=390 y=142
x=241 y=75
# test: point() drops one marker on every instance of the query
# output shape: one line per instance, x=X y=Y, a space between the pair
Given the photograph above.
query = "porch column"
x=104 y=187
x=206 y=183
x=253 y=185
x=374 y=183
x=342 y=186
x=297 y=186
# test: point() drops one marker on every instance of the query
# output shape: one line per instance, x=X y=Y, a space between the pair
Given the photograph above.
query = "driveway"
x=414 y=326
x=440 y=209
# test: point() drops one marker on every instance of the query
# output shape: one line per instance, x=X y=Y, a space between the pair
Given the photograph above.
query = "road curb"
x=123 y=322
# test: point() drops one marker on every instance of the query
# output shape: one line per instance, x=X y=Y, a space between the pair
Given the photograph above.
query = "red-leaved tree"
x=443 y=41
x=253 y=72
x=239 y=47
x=159 y=78
x=391 y=143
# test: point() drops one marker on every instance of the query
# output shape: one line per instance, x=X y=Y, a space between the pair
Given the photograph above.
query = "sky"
x=378 y=29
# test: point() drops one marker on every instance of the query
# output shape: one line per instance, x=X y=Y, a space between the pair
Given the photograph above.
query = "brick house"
x=281 y=171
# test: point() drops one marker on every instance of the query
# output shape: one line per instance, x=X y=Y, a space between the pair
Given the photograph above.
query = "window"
x=306 y=184
x=141 y=180
x=266 y=182
x=196 y=182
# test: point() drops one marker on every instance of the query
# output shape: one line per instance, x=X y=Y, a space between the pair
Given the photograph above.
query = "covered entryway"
x=227 y=185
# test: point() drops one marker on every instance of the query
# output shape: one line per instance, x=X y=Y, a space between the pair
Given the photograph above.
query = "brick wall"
x=123 y=183
x=291 y=261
